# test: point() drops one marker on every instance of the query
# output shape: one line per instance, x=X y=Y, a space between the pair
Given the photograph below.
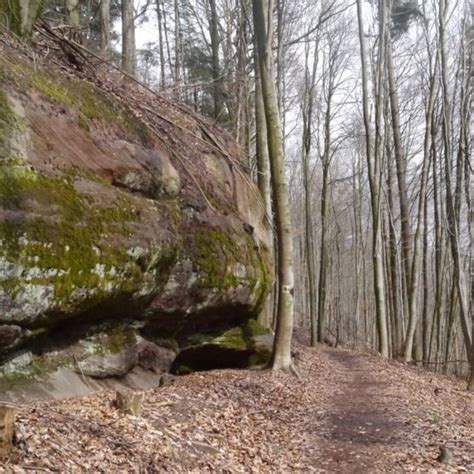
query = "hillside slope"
x=349 y=412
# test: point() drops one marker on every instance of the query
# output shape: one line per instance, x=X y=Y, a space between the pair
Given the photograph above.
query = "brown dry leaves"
x=349 y=412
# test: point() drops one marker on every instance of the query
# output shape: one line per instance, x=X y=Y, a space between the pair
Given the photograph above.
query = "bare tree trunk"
x=161 y=44
x=129 y=52
x=396 y=288
x=466 y=319
x=471 y=249
x=242 y=79
x=400 y=162
x=281 y=357
x=177 y=47
x=373 y=165
x=73 y=17
x=105 y=27
x=214 y=29
x=323 y=257
x=308 y=103
x=425 y=320
x=263 y=173
x=167 y=41
x=417 y=252
x=21 y=25
x=263 y=161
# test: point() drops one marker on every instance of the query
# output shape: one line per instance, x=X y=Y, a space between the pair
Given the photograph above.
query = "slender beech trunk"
x=263 y=175
x=471 y=249
x=105 y=28
x=177 y=47
x=21 y=25
x=450 y=324
x=418 y=240
x=73 y=14
x=373 y=165
x=466 y=318
x=323 y=267
x=425 y=319
x=357 y=246
x=243 y=126
x=281 y=357
x=308 y=103
x=263 y=161
x=400 y=162
x=167 y=41
x=395 y=291
x=161 y=44
x=214 y=30
x=464 y=165
x=129 y=52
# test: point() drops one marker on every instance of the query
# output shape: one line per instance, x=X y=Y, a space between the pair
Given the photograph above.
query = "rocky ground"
x=349 y=412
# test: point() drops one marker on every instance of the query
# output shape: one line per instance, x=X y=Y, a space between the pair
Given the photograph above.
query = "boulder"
x=114 y=350
x=106 y=219
x=109 y=365
x=153 y=357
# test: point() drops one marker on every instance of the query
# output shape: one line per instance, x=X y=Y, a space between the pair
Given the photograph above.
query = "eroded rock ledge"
x=102 y=225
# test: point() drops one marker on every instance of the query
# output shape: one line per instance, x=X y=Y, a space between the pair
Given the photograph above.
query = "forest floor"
x=348 y=412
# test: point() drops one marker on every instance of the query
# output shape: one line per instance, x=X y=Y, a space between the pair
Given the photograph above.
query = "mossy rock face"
x=63 y=252
x=239 y=347
x=100 y=222
x=68 y=239
x=108 y=349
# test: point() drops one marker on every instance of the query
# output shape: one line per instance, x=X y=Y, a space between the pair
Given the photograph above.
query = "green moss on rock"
x=241 y=346
x=110 y=340
x=239 y=337
x=10 y=125
x=72 y=249
x=14 y=374
x=90 y=103
x=218 y=254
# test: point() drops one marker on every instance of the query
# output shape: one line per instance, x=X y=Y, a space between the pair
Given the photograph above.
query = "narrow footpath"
x=364 y=420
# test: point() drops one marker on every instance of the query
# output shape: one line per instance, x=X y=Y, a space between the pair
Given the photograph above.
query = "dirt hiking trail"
x=349 y=412
x=363 y=418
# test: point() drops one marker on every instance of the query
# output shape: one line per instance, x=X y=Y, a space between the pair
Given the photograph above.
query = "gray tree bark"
x=418 y=241
x=105 y=27
x=129 y=52
x=453 y=225
x=161 y=42
x=281 y=357
x=19 y=16
x=307 y=110
x=373 y=165
x=214 y=30
x=72 y=13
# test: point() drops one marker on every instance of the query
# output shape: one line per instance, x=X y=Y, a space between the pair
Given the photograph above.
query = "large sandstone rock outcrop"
x=103 y=219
